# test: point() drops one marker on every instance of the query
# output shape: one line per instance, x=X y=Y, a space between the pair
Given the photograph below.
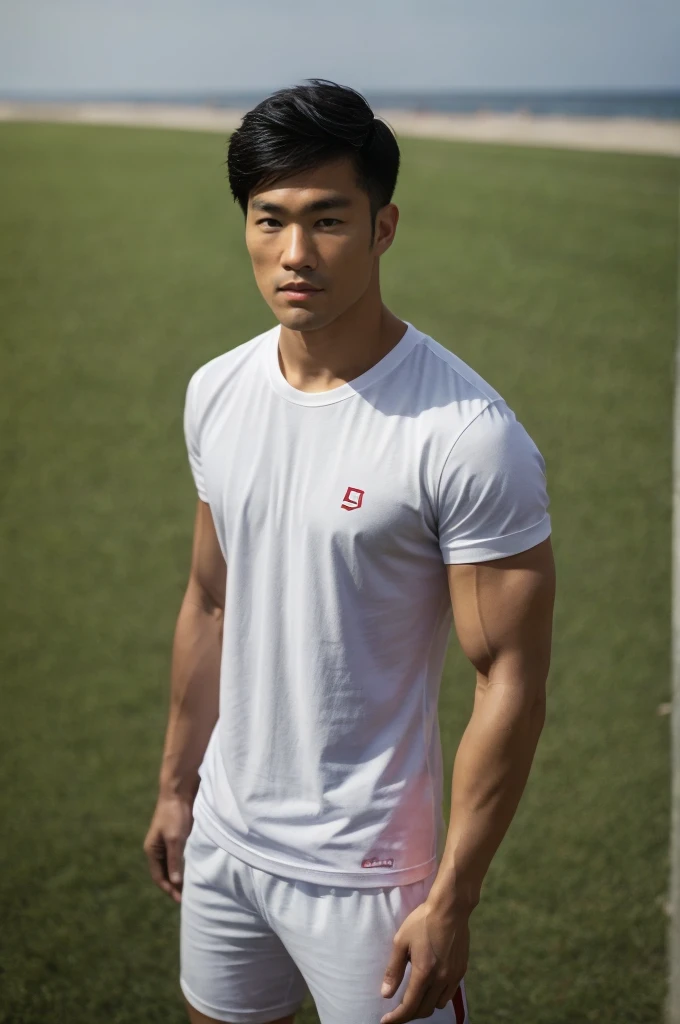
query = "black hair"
x=301 y=127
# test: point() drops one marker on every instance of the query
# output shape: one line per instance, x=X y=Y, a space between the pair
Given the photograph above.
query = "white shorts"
x=252 y=944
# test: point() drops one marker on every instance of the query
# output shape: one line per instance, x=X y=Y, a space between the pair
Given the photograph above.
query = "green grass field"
x=123 y=269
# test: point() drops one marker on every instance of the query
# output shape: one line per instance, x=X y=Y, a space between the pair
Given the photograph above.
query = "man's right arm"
x=194 y=704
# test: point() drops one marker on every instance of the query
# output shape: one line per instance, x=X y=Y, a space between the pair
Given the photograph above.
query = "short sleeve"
x=191 y=437
x=492 y=497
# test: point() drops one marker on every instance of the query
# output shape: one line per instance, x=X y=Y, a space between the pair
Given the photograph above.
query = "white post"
x=673 y=1001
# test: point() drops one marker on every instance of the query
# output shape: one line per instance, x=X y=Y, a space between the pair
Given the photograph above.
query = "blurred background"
x=538 y=240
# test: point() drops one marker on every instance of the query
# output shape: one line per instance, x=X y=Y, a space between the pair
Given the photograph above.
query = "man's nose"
x=298 y=251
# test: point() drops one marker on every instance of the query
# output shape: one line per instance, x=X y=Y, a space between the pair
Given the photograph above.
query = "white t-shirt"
x=336 y=513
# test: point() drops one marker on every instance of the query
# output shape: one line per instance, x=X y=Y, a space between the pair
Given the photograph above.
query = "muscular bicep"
x=208 y=573
x=502 y=612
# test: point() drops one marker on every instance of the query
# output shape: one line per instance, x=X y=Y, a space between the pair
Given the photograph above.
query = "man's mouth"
x=299 y=290
x=299 y=286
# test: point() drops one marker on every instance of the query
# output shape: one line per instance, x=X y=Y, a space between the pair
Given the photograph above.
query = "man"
x=356 y=484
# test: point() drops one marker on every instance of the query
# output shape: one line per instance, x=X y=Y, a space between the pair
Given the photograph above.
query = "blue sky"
x=52 y=46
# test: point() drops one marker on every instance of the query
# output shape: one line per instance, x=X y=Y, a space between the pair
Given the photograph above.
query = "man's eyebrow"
x=331 y=203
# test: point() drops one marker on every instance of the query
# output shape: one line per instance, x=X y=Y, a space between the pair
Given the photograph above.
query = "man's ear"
x=386 y=222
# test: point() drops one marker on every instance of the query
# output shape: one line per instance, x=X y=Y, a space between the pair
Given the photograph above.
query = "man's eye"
x=271 y=222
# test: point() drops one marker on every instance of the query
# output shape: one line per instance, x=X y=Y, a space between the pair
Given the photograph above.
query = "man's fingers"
x=157 y=856
x=394 y=971
x=436 y=998
x=444 y=999
x=166 y=887
x=448 y=995
x=413 y=997
x=159 y=876
x=165 y=842
x=175 y=849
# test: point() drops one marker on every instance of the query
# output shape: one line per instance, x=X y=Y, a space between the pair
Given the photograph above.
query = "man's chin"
x=302 y=319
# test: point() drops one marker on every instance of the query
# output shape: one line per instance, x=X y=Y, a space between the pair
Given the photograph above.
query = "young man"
x=356 y=482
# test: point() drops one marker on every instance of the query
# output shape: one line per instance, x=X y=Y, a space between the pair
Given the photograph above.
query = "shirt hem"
x=369 y=878
x=500 y=547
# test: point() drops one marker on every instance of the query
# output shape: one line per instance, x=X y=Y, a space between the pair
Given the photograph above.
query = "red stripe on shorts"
x=459 y=1006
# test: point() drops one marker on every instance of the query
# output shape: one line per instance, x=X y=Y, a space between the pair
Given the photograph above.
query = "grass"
x=122 y=269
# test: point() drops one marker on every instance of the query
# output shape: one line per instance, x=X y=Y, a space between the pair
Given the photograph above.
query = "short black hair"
x=301 y=127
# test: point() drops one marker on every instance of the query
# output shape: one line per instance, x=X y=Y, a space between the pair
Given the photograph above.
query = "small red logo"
x=377 y=862
x=353 y=498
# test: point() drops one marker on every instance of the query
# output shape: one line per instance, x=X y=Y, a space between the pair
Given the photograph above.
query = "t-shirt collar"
x=353 y=387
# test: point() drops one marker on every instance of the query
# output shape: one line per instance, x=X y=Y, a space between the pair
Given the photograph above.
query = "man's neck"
x=329 y=357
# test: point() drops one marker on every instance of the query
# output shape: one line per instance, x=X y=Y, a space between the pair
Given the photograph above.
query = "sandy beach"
x=621 y=135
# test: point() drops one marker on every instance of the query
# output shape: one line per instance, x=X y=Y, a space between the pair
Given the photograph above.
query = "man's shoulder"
x=452 y=374
x=216 y=372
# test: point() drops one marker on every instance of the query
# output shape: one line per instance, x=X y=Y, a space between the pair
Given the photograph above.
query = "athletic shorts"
x=253 y=944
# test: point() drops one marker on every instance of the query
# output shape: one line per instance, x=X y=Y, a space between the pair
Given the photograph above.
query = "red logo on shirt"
x=353 y=498
x=377 y=862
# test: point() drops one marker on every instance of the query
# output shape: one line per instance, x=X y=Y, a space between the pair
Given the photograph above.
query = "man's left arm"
x=503 y=617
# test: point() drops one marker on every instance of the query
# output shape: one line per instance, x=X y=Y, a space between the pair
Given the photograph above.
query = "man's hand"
x=438 y=948
x=165 y=841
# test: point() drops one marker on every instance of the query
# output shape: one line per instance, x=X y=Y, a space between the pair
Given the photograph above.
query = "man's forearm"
x=490 y=772
x=194 y=700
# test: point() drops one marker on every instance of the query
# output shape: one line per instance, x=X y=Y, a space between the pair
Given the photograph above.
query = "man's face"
x=314 y=229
